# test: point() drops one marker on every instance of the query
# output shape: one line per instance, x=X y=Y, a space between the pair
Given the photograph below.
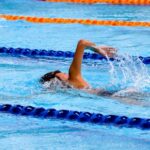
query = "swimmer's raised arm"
x=75 y=68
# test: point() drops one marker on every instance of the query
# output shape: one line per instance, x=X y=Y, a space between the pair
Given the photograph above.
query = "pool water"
x=19 y=77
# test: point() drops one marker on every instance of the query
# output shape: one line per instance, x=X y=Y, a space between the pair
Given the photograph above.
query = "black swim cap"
x=48 y=76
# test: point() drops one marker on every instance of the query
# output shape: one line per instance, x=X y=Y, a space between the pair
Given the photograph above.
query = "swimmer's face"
x=62 y=76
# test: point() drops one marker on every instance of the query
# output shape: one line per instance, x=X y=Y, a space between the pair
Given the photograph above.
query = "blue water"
x=19 y=77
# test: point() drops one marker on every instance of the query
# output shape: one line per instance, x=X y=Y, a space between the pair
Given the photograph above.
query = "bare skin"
x=74 y=77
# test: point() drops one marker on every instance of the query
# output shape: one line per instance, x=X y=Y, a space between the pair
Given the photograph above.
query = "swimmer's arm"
x=106 y=51
x=75 y=68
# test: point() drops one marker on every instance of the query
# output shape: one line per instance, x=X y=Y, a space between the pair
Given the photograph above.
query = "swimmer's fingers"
x=109 y=49
x=106 y=51
x=111 y=53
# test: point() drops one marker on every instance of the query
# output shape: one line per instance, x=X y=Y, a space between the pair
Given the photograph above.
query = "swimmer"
x=74 y=78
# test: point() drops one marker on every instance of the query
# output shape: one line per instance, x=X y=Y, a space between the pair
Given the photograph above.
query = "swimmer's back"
x=100 y=92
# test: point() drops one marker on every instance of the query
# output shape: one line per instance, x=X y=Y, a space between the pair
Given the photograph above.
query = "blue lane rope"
x=100 y=119
x=53 y=53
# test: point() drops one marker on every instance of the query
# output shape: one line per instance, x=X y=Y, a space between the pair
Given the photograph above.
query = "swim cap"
x=48 y=76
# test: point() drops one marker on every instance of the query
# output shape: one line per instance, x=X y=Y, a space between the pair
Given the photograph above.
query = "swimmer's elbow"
x=82 y=42
x=85 y=43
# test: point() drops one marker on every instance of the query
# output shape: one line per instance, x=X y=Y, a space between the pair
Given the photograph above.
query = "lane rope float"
x=95 y=118
x=62 y=54
x=114 y=2
x=76 y=21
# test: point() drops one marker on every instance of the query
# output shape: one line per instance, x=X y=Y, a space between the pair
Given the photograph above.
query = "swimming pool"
x=19 y=76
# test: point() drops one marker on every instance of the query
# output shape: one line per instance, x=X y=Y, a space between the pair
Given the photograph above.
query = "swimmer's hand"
x=106 y=51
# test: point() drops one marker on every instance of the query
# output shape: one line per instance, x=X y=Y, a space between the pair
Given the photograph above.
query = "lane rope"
x=87 y=117
x=62 y=54
x=76 y=21
x=114 y=2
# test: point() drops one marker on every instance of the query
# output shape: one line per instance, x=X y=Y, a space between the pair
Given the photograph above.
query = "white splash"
x=56 y=84
x=129 y=73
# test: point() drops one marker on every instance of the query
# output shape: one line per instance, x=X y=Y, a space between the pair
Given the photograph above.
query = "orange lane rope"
x=76 y=21
x=122 y=2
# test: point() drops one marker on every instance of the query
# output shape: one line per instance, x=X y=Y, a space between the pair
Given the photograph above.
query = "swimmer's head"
x=49 y=76
x=52 y=75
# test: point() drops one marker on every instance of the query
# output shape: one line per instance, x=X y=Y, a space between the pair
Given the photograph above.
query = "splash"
x=129 y=74
x=55 y=85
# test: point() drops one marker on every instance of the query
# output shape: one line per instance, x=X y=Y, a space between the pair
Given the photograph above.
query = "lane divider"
x=62 y=54
x=86 y=117
x=120 y=2
x=76 y=21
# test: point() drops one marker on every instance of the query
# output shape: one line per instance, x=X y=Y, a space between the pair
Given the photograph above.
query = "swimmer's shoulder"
x=78 y=83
